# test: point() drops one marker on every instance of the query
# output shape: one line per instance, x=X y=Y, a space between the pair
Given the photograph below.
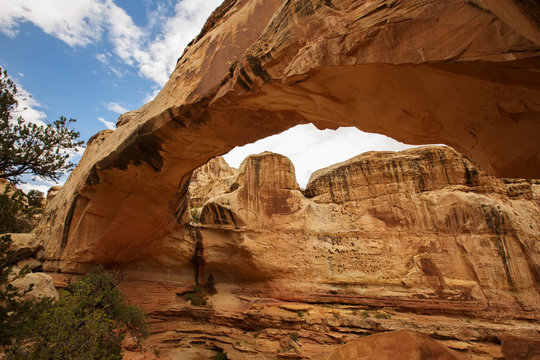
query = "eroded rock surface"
x=420 y=240
x=401 y=344
x=423 y=227
x=41 y=283
x=213 y=178
x=464 y=73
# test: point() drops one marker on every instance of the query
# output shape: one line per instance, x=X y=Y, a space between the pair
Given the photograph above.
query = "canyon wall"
x=463 y=73
x=420 y=240
x=424 y=227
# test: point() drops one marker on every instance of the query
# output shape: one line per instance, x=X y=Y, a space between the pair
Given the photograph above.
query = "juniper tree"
x=29 y=148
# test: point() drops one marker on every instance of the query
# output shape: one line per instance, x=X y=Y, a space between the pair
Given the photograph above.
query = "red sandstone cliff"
x=421 y=240
x=464 y=73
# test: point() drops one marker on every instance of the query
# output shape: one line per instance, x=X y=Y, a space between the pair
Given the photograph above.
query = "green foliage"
x=15 y=313
x=195 y=214
x=35 y=198
x=300 y=313
x=294 y=336
x=219 y=356
x=15 y=216
x=89 y=321
x=382 y=315
x=199 y=295
x=28 y=148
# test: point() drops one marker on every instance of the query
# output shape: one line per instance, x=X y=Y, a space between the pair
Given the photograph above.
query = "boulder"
x=30 y=262
x=43 y=285
x=23 y=245
x=517 y=348
x=402 y=345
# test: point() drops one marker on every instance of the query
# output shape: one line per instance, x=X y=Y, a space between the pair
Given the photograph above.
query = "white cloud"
x=76 y=22
x=43 y=187
x=116 y=107
x=311 y=149
x=152 y=50
x=28 y=107
x=150 y=96
x=109 y=124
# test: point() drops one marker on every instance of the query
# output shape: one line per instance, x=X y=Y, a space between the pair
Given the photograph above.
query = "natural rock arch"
x=463 y=73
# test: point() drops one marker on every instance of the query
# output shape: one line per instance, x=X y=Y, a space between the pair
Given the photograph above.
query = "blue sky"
x=94 y=59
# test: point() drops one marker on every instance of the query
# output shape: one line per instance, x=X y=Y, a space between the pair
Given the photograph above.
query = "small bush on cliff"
x=219 y=356
x=89 y=321
x=15 y=313
x=18 y=211
x=35 y=198
x=195 y=214
x=14 y=217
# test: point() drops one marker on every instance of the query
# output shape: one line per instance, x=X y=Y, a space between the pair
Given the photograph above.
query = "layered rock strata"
x=463 y=73
x=423 y=228
x=420 y=240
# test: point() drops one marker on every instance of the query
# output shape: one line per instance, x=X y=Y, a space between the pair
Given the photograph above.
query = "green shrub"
x=199 y=295
x=15 y=313
x=89 y=321
x=195 y=214
x=382 y=316
x=15 y=217
x=219 y=356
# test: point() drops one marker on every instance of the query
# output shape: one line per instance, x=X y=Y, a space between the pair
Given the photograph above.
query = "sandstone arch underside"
x=463 y=73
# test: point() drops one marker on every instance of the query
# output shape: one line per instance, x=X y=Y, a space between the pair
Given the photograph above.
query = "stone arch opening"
x=379 y=68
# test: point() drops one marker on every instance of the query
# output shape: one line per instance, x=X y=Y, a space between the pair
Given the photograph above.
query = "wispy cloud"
x=116 y=107
x=76 y=22
x=81 y=22
x=108 y=124
x=28 y=107
x=151 y=96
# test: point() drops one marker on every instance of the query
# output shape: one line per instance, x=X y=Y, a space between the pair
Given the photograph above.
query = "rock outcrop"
x=403 y=344
x=420 y=240
x=423 y=227
x=213 y=178
x=42 y=286
x=463 y=73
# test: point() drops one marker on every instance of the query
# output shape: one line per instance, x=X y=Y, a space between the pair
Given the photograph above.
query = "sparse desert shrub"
x=219 y=356
x=382 y=315
x=89 y=321
x=195 y=214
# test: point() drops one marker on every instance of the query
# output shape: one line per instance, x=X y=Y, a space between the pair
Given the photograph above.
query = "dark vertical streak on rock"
x=198 y=255
x=67 y=224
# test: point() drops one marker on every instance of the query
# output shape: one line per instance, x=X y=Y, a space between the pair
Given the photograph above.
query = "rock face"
x=403 y=344
x=213 y=178
x=419 y=240
x=464 y=73
x=424 y=227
